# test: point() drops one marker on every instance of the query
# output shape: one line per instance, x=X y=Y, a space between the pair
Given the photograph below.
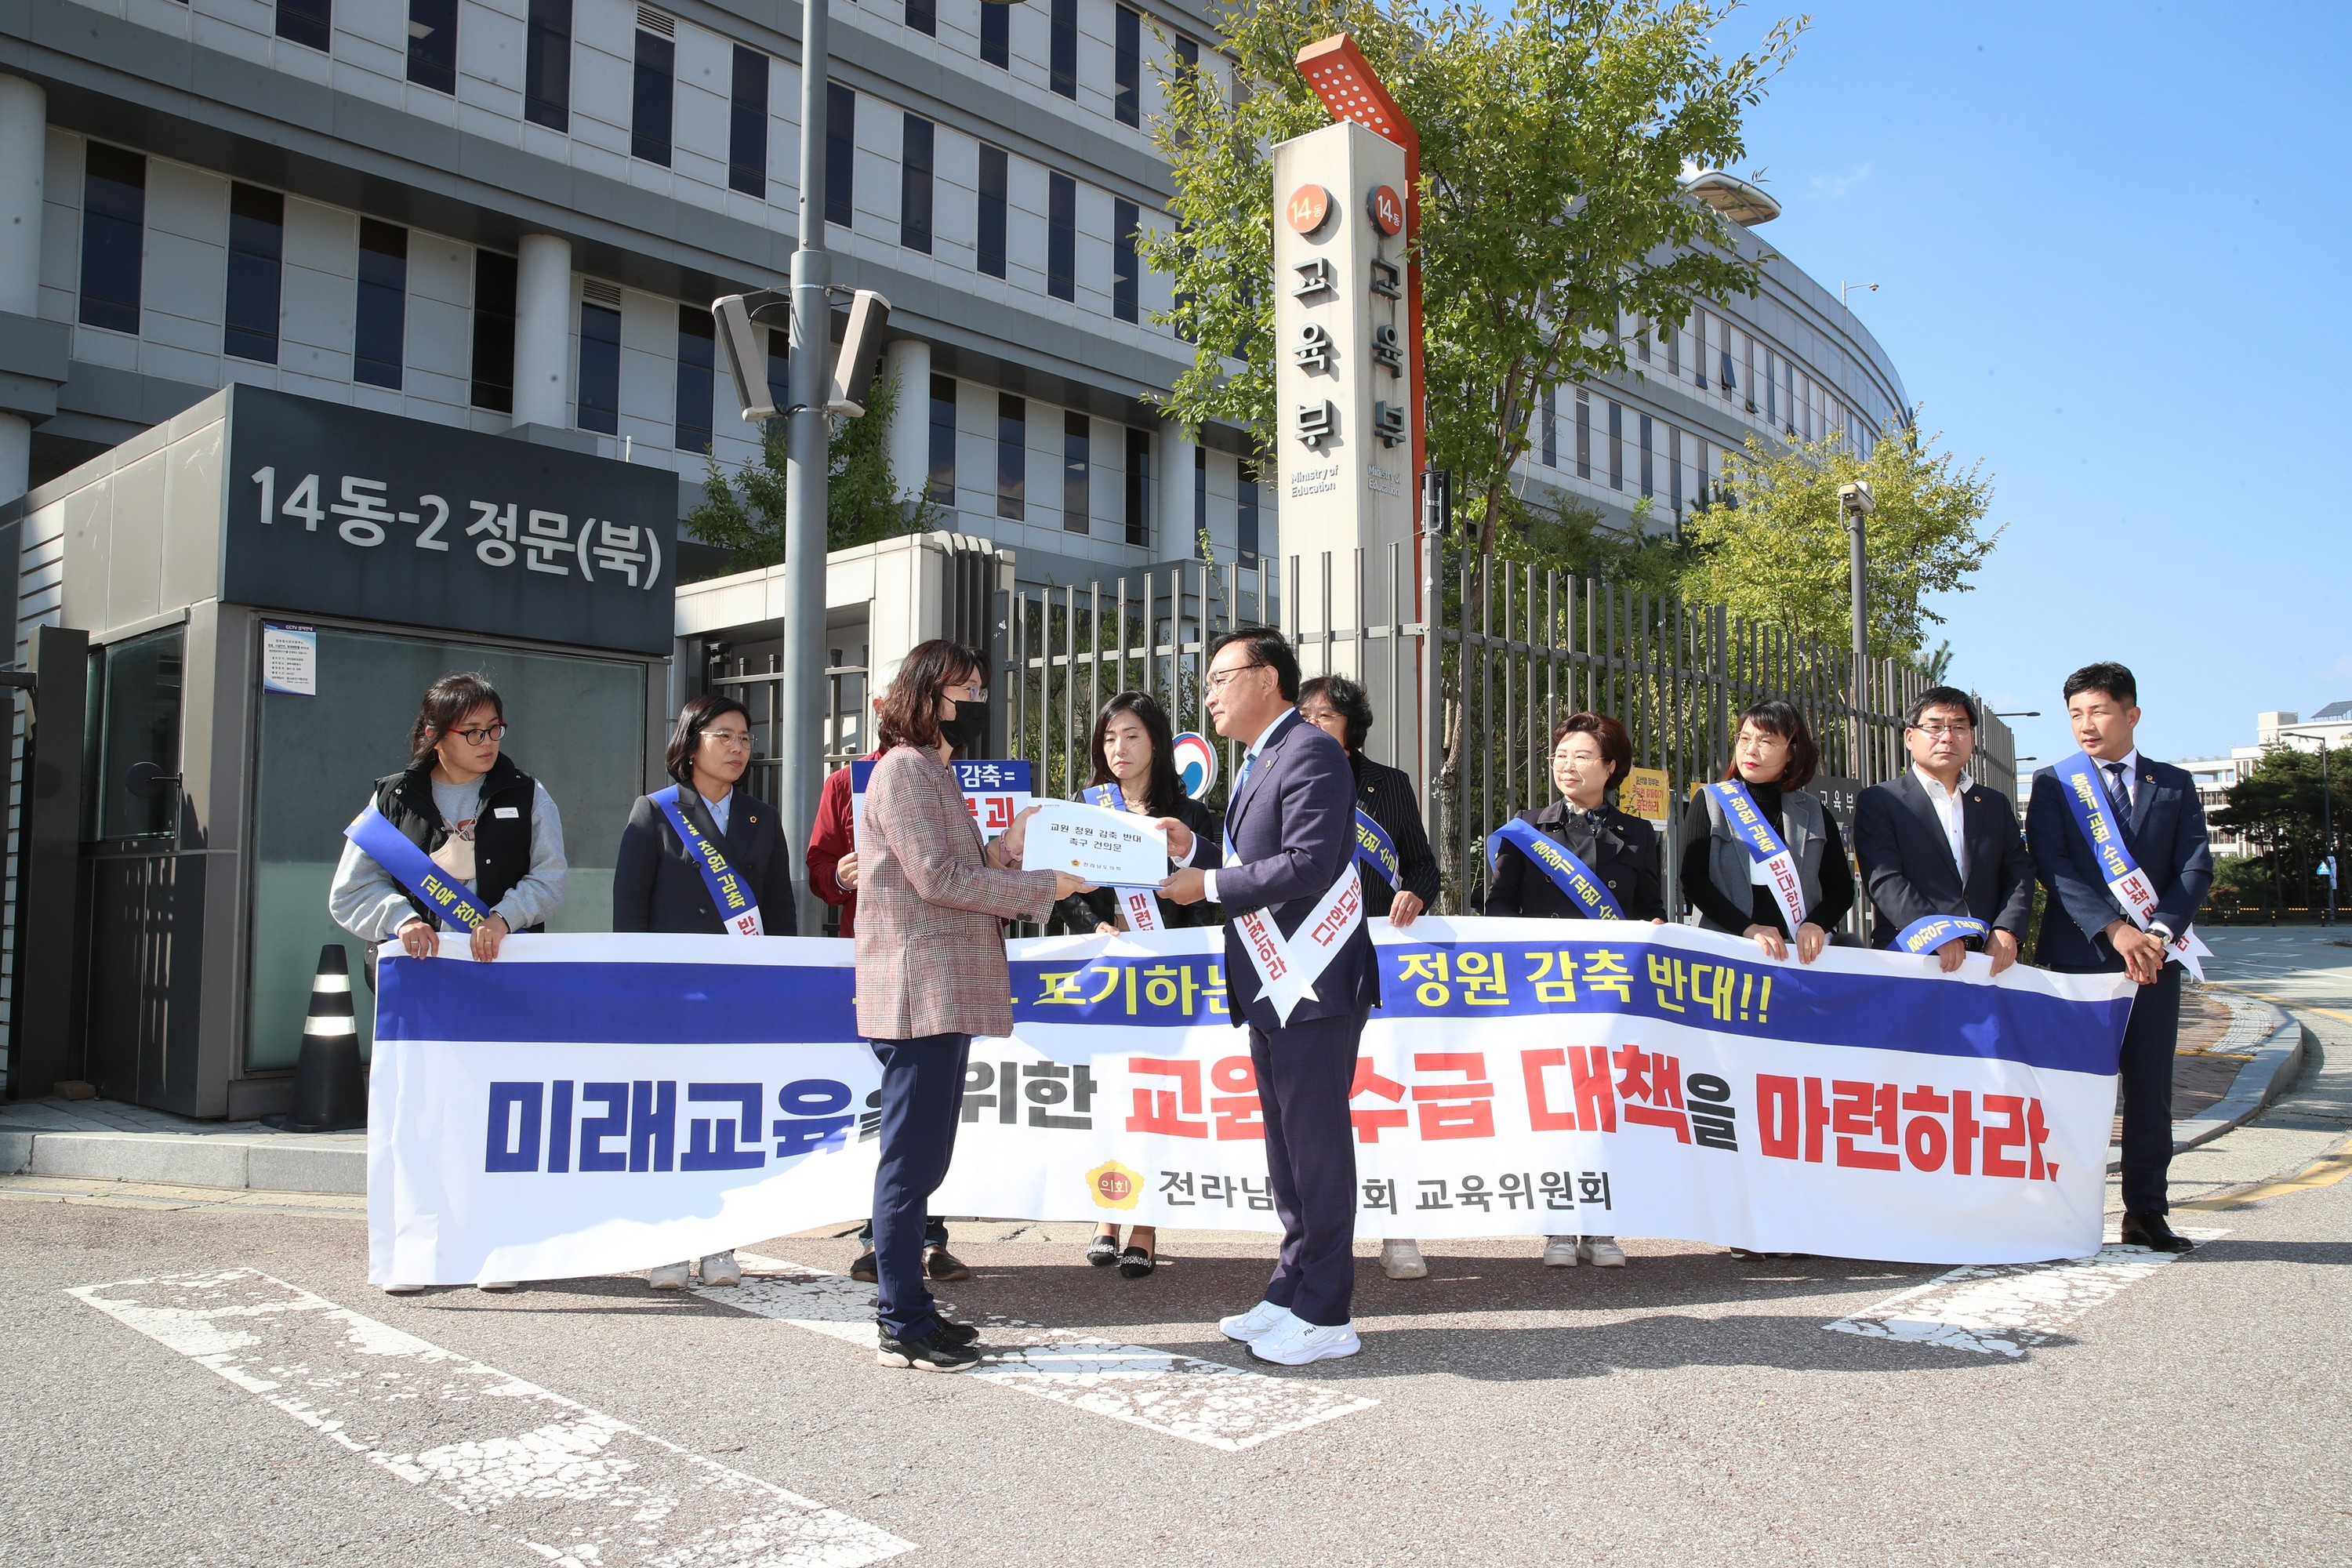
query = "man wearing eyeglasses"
x=1294 y=913
x=1936 y=843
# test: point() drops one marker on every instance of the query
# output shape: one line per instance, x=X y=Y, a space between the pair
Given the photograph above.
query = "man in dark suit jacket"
x=2085 y=930
x=1936 y=842
x=1290 y=824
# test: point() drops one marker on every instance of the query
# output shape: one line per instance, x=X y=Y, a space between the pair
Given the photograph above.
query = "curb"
x=268 y=1164
x=2261 y=1080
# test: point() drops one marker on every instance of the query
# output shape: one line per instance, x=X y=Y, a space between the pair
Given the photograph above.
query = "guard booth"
x=230 y=619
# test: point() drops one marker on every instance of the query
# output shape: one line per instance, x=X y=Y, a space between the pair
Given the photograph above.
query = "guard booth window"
x=137 y=720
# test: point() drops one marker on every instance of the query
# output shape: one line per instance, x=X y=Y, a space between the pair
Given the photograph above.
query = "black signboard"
x=345 y=511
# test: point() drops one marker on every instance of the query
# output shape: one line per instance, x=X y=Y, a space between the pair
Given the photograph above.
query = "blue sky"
x=2111 y=242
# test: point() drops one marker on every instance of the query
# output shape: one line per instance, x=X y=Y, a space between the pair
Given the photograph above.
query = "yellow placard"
x=1645 y=793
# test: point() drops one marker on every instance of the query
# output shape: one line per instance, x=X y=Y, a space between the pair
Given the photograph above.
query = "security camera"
x=1854 y=497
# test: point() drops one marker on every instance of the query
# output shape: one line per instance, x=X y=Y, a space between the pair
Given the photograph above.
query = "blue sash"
x=414 y=870
x=1932 y=931
x=1765 y=846
x=1571 y=876
x=1378 y=850
x=2089 y=802
x=737 y=907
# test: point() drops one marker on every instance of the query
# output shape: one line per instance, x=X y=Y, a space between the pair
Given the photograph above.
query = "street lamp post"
x=1853 y=500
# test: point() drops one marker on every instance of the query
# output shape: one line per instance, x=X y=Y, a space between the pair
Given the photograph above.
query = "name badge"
x=506 y=811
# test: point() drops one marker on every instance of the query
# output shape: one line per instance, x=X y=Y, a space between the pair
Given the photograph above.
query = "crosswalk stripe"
x=573 y=1487
x=1205 y=1402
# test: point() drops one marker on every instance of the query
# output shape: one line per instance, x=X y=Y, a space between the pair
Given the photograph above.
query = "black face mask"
x=967 y=733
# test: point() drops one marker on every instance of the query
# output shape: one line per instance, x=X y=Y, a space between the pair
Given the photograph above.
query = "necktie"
x=2116 y=787
x=1234 y=798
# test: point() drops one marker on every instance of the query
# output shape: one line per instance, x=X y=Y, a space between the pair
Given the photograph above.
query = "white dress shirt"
x=1249 y=764
x=1948 y=811
x=2130 y=765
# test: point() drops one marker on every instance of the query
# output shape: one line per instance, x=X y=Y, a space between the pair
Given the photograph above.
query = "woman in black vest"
x=482 y=820
x=657 y=883
x=1342 y=709
x=1134 y=752
x=1774 y=755
x=1590 y=754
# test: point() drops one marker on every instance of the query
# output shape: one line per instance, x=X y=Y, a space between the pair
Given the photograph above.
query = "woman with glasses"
x=1591 y=755
x=467 y=813
x=664 y=877
x=1134 y=752
x=1734 y=890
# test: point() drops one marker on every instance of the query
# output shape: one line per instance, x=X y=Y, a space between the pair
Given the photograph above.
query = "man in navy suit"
x=1935 y=842
x=2086 y=929
x=1290 y=848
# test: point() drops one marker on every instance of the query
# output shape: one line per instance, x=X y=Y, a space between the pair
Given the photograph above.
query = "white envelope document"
x=1108 y=848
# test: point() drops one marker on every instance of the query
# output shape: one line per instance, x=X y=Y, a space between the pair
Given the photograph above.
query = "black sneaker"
x=928 y=1353
x=864 y=1268
x=941 y=1264
x=956 y=1334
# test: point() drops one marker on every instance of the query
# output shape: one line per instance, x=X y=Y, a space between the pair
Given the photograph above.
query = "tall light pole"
x=1853 y=500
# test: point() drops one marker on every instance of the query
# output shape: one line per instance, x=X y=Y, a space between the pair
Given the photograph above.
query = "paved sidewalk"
x=104 y=1140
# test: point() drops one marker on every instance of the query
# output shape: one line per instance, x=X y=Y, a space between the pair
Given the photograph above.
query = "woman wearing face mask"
x=1600 y=847
x=1773 y=758
x=663 y=879
x=1134 y=749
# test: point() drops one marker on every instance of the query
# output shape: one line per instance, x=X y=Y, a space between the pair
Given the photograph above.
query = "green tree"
x=1774 y=548
x=1553 y=223
x=2277 y=807
x=744 y=511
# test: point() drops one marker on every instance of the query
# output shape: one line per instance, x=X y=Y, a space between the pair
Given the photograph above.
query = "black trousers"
x=2147 y=1068
x=922 y=1091
x=1303 y=1075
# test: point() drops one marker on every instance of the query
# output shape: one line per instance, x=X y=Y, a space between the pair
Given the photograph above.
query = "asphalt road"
x=1689 y=1408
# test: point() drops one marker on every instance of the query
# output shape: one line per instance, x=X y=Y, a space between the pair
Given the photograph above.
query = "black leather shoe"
x=2149 y=1230
x=864 y=1268
x=960 y=1335
x=941 y=1264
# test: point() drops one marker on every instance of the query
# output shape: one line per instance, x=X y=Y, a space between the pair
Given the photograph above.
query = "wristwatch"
x=2161 y=931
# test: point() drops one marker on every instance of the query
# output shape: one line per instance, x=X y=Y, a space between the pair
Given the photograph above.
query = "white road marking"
x=2006 y=1308
x=573 y=1485
x=1204 y=1402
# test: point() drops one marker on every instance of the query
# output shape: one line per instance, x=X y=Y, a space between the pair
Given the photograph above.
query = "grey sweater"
x=366 y=901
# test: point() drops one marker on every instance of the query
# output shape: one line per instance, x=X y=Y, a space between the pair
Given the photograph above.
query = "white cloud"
x=1835 y=186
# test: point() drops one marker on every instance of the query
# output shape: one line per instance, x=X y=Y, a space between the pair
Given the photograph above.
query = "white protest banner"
x=993 y=791
x=592 y=1103
x=1108 y=848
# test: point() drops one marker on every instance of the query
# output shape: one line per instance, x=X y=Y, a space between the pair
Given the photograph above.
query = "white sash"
x=1141 y=907
x=1288 y=967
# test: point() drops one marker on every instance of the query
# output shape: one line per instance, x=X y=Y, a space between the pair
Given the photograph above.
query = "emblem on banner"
x=1114 y=1186
x=1196 y=763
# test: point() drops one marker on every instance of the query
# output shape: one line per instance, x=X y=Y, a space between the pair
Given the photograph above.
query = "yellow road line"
x=2325 y=1171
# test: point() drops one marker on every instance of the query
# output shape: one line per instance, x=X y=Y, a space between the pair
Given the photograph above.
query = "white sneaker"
x=1560 y=1252
x=403 y=1289
x=500 y=1285
x=1255 y=1324
x=1401 y=1259
x=721 y=1268
x=1299 y=1342
x=1601 y=1252
x=669 y=1277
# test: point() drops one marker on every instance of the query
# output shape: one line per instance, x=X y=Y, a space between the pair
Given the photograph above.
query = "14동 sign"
x=342 y=510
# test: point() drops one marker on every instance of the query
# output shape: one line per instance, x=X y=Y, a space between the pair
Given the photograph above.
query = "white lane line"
x=2005 y=1308
x=573 y=1485
x=1204 y=1402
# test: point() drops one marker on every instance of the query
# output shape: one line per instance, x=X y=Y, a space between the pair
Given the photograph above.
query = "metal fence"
x=1468 y=707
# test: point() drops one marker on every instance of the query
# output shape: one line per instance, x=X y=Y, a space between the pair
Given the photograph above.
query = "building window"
x=995 y=35
x=1246 y=545
x=1127 y=68
x=1788 y=393
x=840 y=153
x=494 y=331
x=650 y=119
x=1200 y=501
x=747 y=125
x=1642 y=342
x=1673 y=349
x=257 y=250
x=697 y=377
x=992 y=204
x=600 y=368
x=1188 y=53
x=1649 y=487
x=1699 y=348
x=1064 y=48
x=380 y=324
x=915 y=186
x=923 y=16
x=943 y=441
x=1584 y=436
x=1077 y=473
x=1616 y=446
x=308 y=23
x=433 y=44
x=547 y=65
x=1138 y=488
x=113 y=235
x=1674 y=469
x=1723 y=374
x=1551 y=418
x=1125 y=274
x=1062 y=236
x=1011 y=457
x=1771 y=392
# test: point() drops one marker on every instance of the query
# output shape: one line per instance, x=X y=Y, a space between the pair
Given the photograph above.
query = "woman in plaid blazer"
x=931 y=970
